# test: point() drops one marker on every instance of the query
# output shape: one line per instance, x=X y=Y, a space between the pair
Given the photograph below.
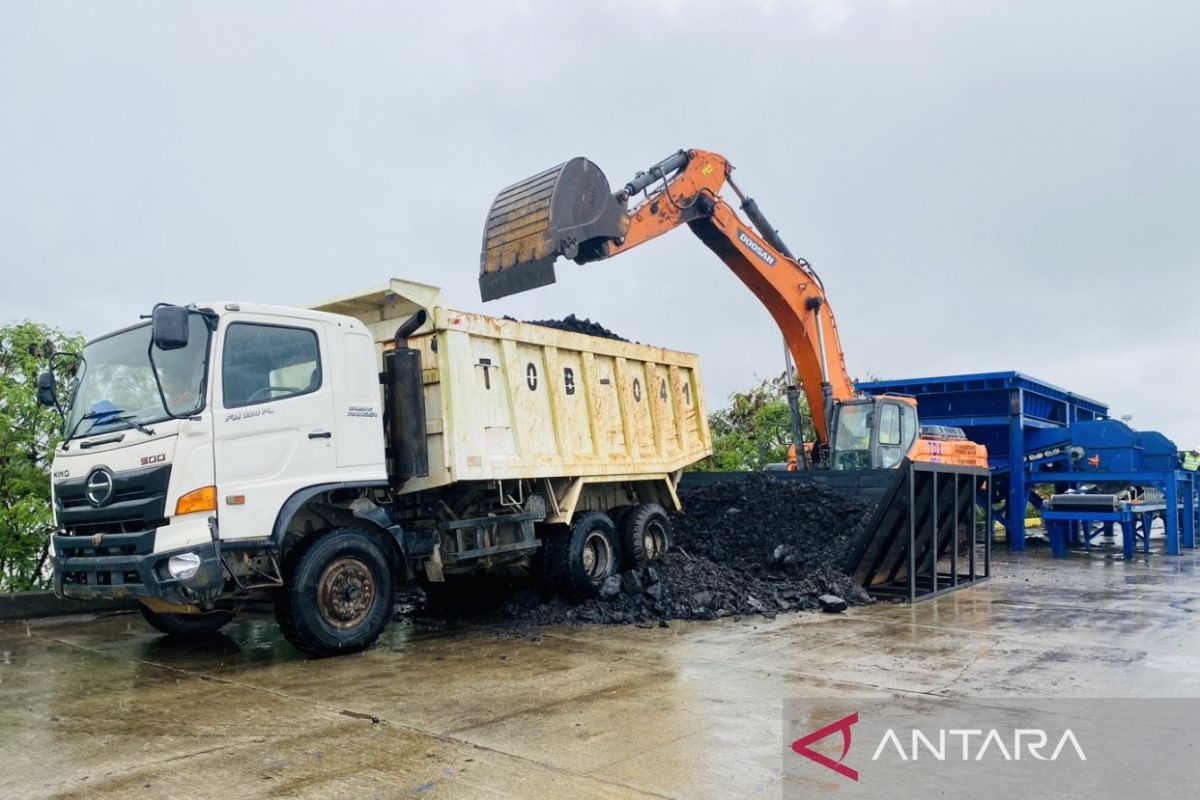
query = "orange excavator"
x=570 y=211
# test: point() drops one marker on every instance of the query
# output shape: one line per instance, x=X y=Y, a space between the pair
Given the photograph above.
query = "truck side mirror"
x=46 y=389
x=170 y=327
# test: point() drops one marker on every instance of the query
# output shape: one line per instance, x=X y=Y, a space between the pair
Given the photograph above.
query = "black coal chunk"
x=576 y=325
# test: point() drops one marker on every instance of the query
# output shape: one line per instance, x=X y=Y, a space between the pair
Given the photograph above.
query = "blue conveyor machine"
x=1106 y=475
x=1038 y=433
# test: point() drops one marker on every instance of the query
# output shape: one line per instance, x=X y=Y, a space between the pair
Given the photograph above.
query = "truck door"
x=358 y=439
x=273 y=420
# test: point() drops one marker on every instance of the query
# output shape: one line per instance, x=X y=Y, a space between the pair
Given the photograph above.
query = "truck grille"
x=138 y=503
x=118 y=497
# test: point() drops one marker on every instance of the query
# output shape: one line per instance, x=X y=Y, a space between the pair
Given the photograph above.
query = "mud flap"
x=433 y=567
x=565 y=211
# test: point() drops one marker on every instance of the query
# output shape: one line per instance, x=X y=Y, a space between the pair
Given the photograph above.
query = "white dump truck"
x=323 y=455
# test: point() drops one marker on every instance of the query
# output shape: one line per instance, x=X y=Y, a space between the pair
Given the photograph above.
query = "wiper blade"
x=132 y=420
x=92 y=415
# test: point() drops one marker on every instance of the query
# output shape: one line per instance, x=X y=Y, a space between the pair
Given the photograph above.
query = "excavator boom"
x=570 y=211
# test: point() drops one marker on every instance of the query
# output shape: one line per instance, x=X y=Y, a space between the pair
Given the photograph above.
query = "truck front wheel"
x=579 y=559
x=186 y=624
x=338 y=594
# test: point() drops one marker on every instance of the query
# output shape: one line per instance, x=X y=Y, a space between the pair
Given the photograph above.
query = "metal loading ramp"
x=926 y=537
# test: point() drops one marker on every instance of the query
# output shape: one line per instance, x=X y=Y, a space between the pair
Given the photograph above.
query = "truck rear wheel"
x=580 y=558
x=338 y=594
x=186 y=624
x=645 y=535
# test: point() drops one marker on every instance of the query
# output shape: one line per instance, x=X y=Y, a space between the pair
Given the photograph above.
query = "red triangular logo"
x=801 y=746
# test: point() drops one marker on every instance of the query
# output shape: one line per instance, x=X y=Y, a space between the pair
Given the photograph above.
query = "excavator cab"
x=880 y=432
x=873 y=432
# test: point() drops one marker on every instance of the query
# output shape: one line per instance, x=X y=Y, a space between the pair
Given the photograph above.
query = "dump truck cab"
x=264 y=401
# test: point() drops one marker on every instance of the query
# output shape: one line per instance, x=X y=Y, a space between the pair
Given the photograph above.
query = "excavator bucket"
x=565 y=211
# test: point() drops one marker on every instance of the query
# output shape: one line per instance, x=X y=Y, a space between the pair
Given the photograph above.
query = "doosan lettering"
x=758 y=249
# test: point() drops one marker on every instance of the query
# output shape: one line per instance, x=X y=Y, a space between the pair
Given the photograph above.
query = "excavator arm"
x=570 y=211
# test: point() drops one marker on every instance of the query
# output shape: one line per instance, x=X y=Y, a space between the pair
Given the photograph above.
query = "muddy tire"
x=338 y=594
x=579 y=558
x=186 y=624
x=645 y=535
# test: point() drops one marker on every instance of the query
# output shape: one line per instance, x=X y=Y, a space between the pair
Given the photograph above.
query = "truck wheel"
x=186 y=624
x=580 y=558
x=645 y=535
x=338 y=595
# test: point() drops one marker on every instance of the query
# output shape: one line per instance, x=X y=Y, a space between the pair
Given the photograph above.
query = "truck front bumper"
x=122 y=565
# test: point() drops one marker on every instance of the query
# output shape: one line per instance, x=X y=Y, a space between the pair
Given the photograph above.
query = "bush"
x=754 y=430
x=28 y=435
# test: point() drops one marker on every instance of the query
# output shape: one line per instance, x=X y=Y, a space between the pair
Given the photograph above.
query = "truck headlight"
x=183 y=566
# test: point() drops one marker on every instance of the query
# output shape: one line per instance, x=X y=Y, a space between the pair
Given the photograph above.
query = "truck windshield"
x=116 y=389
x=852 y=443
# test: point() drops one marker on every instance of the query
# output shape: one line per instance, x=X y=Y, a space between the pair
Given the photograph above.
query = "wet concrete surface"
x=104 y=707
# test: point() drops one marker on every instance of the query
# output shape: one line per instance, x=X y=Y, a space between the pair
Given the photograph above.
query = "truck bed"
x=508 y=400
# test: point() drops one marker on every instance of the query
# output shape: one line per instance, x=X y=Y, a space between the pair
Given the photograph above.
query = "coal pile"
x=574 y=324
x=748 y=547
x=799 y=528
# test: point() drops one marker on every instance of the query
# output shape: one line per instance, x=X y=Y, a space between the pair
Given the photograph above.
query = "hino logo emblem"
x=99 y=487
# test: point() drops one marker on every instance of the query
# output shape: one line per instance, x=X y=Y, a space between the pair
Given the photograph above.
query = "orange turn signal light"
x=202 y=499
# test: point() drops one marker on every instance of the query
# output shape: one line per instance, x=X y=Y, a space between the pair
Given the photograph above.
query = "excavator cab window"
x=889 y=450
x=889 y=424
x=852 y=436
x=908 y=427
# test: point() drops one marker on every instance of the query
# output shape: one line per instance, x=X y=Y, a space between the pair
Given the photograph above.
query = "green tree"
x=755 y=429
x=28 y=435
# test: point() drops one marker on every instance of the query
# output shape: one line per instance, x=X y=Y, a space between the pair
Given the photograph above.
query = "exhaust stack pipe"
x=404 y=408
x=409 y=327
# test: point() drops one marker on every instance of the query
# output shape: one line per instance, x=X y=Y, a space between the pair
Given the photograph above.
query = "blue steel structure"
x=1001 y=410
x=1038 y=433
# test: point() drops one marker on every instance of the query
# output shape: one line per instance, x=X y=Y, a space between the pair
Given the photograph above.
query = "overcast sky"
x=982 y=185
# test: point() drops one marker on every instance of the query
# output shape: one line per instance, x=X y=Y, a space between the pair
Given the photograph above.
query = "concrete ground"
x=103 y=707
